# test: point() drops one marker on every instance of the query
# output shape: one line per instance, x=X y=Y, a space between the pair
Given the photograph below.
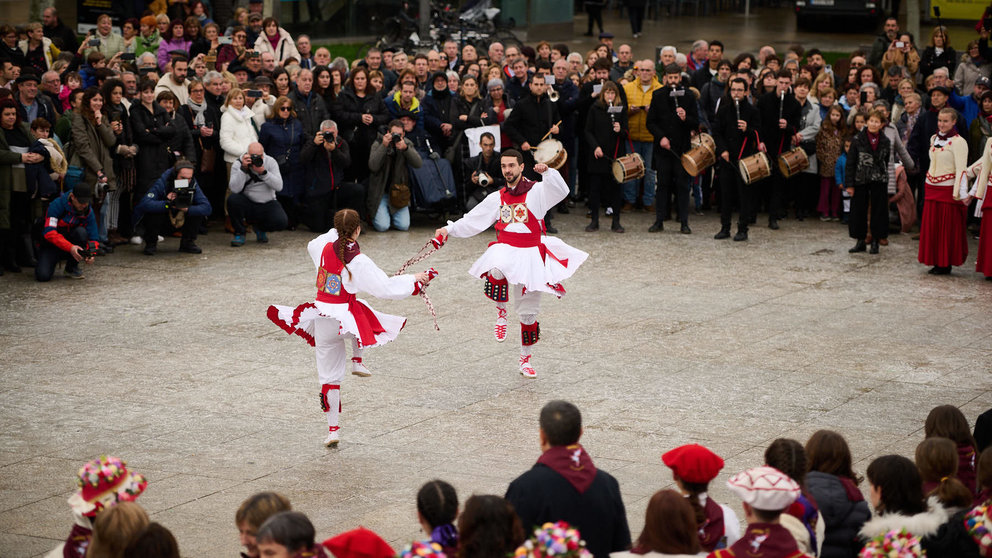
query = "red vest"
x=513 y=209
x=330 y=289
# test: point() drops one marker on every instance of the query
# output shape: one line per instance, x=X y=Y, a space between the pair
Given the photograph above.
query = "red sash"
x=330 y=289
x=513 y=209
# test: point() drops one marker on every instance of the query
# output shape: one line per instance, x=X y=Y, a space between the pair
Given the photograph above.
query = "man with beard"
x=780 y=113
x=518 y=211
x=672 y=118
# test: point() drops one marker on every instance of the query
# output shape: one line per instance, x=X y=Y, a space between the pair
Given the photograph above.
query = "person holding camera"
x=326 y=159
x=389 y=185
x=175 y=201
x=70 y=233
x=483 y=172
x=255 y=181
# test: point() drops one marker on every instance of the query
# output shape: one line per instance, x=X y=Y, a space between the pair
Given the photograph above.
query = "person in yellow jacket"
x=639 y=92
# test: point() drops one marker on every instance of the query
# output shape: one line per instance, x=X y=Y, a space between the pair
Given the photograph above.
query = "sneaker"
x=359 y=369
x=499 y=330
x=136 y=240
x=261 y=236
x=238 y=240
x=74 y=273
x=332 y=438
x=526 y=370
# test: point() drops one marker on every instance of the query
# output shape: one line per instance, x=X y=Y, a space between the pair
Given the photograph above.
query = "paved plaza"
x=662 y=339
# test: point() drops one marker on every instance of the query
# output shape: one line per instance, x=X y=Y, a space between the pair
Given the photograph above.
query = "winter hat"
x=103 y=483
x=359 y=543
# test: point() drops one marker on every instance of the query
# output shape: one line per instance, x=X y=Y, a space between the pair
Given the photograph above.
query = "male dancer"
x=522 y=255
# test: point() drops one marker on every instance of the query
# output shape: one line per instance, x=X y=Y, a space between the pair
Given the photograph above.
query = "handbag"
x=399 y=196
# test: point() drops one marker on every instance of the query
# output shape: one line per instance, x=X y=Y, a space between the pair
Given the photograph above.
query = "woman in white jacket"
x=276 y=40
x=237 y=129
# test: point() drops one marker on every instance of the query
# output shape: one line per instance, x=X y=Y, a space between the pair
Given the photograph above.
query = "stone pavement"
x=663 y=339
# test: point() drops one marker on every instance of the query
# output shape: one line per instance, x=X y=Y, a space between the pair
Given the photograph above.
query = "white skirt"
x=523 y=266
x=299 y=320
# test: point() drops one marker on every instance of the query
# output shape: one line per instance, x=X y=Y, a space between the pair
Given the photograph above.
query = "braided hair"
x=346 y=222
x=437 y=502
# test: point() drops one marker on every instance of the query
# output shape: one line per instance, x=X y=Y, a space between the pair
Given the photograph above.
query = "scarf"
x=445 y=535
x=523 y=186
x=873 y=140
x=943 y=139
x=274 y=41
x=571 y=462
x=198 y=109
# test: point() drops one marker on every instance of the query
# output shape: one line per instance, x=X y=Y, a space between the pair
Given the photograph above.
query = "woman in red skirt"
x=943 y=236
x=982 y=168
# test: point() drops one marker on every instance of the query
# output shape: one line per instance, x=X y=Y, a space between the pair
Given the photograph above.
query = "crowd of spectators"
x=804 y=500
x=395 y=131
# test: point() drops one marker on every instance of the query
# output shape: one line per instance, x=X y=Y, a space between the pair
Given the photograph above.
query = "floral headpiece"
x=894 y=544
x=425 y=549
x=103 y=483
x=558 y=540
x=977 y=522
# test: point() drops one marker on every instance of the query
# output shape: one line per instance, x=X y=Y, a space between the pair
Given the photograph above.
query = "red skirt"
x=984 y=264
x=943 y=235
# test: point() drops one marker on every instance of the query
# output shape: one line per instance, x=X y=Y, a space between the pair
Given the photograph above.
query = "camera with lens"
x=484 y=179
x=256 y=160
x=86 y=253
x=184 y=190
x=395 y=140
x=329 y=136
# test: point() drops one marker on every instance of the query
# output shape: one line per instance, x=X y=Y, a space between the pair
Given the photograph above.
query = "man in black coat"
x=53 y=28
x=327 y=157
x=309 y=106
x=672 y=119
x=565 y=485
x=735 y=132
x=779 y=112
x=532 y=118
x=568 y=99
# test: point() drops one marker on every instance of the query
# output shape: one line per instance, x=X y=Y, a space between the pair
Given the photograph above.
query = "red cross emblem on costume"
x=519 y=213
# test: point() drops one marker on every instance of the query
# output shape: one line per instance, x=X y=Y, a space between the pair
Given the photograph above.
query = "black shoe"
x=589 y=34
x=874 y=247
x=937 y=270
x=685 y=229
x=550 y=230
x=741 y=235
x=773 y=224
x=189 y=247
x=724 y=233
x=107 y=248
x=617 y=228
x=592 y=227
x=658 y=226
x=150 y=249
x=858 y=247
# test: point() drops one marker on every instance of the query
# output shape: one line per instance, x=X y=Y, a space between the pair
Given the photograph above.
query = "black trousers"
x=318 y=211
x=671 y=176
x=50 y=254
x=777 y=185
x=733 y=189
x=595 y=15
x=157 y=223
x=807 y=186
x=877 y=195
x=636 y=14
x=603 y=187
x=268 y=216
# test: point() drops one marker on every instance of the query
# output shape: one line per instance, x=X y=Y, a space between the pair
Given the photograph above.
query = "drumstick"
x=549 y=131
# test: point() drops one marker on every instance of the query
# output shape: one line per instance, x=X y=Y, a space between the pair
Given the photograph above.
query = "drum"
x=628 y=167
x=755 y=167
x=701 y=156
x=793 y=161
x=551 y=152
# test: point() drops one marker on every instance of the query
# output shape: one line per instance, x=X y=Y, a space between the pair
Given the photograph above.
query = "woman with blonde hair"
x=939 y=53
x=114 y=528
x=237 y=128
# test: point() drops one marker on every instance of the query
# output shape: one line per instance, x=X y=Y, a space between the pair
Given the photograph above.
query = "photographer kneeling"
x=255 y=179
x=327 y=158
x=483 y=172
x=70 y=233
x=174 y=202
x=388 y=198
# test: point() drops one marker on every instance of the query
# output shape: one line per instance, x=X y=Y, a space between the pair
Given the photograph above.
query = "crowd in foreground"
x=802 y=501
x=277 y=134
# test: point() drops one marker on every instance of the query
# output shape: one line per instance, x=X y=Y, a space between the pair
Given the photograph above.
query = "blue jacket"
x=966 y=104
x=280 y=138
x=61 y=218
x=155 y=200
x=840 y=171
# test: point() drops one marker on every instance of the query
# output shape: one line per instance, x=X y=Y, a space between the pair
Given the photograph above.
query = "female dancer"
x=343 y=271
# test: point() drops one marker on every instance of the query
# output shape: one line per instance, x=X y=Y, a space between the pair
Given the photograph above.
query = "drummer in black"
x=672 y=119
x=531 y=119
x=735 y=132
x=607 y=137
x=780 y=113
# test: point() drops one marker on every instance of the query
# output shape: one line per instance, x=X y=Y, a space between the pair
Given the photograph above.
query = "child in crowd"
x=948 y=421
x=840 y=177
x=437 y=507
x=289 y=533
x=802 y=518
x=693 y=467
x=252 y=513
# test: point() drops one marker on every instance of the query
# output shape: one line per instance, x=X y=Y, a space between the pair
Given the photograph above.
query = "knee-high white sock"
x=356 y=350
x=333 y=398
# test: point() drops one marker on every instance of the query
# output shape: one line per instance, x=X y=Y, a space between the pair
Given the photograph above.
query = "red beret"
x=359 y=543
x=693 y=463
